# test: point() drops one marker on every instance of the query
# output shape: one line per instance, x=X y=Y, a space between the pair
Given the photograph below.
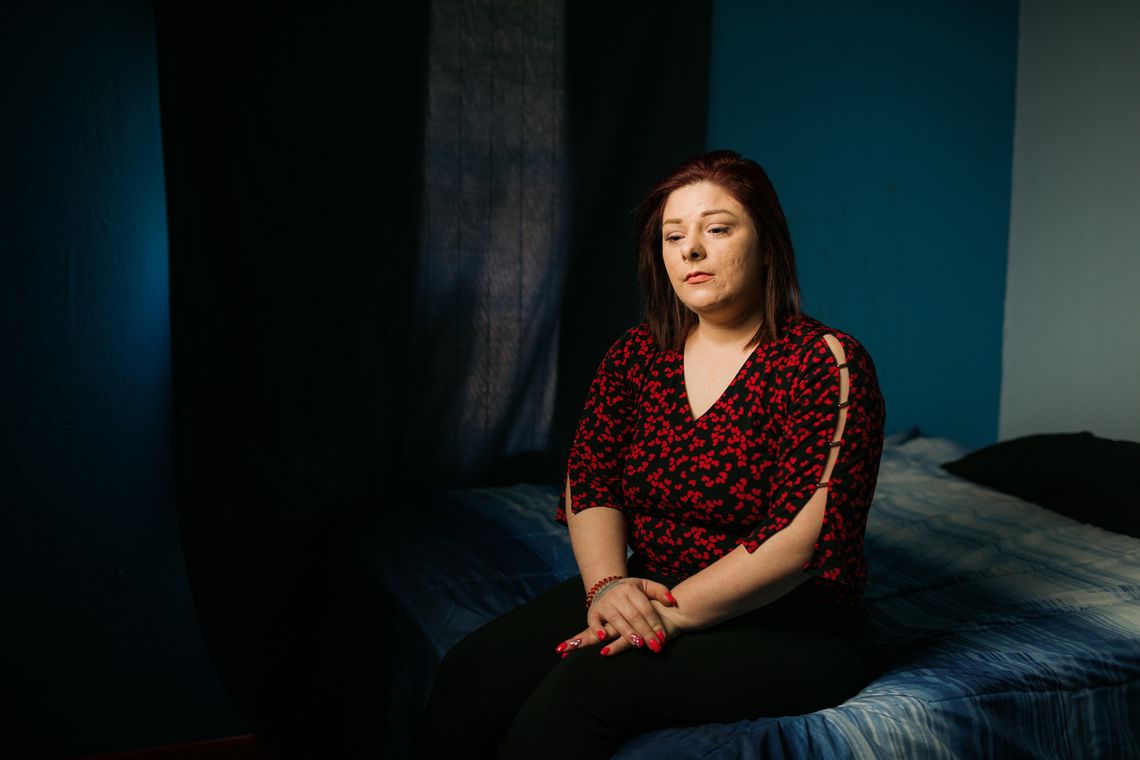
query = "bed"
x=1004 y=629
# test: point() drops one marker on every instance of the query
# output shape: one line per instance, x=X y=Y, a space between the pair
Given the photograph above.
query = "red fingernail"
x=671 y=599
x=562 y=647
x=565 y=655
x=655 y=645
x=602 y=635
x=606 y=650
x=661 y=636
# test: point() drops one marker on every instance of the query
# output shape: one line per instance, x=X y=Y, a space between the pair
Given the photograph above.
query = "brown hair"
x=669 y=319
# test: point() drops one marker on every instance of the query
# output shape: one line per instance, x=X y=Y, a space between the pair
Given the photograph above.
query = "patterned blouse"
x=692 y=490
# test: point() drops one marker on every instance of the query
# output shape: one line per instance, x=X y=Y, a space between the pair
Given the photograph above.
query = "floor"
x=233 y=748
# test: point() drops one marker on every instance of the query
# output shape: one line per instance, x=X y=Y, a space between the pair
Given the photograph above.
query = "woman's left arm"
x=740 y=581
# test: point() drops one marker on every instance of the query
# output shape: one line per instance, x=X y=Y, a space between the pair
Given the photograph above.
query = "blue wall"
x=101 y=648
x=887 y=129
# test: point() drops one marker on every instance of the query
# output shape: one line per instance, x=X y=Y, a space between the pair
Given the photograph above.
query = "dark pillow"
x=1079 y=475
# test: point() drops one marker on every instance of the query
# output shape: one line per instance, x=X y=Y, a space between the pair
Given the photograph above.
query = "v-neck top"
x=684 y=394
x=693 y=490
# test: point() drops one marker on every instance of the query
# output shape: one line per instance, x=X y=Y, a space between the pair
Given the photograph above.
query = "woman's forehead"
x=698 y=200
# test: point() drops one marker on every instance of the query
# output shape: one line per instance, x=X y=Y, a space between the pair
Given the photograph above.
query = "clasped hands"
x=633 y=612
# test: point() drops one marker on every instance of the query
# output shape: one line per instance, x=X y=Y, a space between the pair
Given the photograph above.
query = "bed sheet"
x=1002 y=629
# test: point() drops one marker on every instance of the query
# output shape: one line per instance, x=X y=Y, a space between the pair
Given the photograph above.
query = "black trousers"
x=503 y=692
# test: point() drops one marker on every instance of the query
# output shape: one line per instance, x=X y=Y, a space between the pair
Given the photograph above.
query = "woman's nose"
x=694 y=253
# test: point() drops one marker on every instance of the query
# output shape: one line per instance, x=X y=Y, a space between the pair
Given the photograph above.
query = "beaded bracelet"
x=600 y=592
x=597 y=587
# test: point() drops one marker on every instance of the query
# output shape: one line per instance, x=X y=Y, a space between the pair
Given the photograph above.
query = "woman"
x=733 y=442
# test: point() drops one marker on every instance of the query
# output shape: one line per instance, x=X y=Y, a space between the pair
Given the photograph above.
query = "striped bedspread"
x=1003 y=630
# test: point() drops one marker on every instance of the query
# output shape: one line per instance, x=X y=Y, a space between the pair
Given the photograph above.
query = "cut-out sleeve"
x=605 y=427
x=837 y=407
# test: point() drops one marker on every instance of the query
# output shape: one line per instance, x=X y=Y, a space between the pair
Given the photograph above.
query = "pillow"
x=900 y=437
x=1079 y=475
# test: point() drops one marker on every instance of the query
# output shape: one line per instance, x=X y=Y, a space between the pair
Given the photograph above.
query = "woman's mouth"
x=695 y=278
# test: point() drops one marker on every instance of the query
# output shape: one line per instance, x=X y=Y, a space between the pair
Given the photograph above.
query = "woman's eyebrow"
x=703 y=213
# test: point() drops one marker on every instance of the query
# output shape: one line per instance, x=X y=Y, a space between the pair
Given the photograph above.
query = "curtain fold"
x=400 y=242
x=492 y=251
x=293 y=147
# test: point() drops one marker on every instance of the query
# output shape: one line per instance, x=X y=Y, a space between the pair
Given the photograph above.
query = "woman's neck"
x=724 y=334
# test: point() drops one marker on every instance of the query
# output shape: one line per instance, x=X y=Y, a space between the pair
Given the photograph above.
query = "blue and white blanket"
x=1003 y=630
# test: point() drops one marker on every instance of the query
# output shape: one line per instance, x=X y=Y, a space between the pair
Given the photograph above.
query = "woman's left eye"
x=719 y=229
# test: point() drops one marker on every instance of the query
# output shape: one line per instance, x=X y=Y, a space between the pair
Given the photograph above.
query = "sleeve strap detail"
x=834 y=444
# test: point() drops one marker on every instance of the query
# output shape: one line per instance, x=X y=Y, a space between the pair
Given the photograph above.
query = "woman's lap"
x=782 y=659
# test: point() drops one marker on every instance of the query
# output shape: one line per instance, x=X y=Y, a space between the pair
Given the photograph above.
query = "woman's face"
x=706 y=230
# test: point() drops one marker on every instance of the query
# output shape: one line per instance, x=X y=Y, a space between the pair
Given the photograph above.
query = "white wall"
x=1071 y=347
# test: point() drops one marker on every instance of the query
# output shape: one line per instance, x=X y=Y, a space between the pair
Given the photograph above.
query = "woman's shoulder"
x=635 y=340
x=808 y=345
x=815 y=359
x=630 y=350
x=807 y=334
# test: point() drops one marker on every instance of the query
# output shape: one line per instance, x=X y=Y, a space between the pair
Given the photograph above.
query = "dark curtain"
x=400 y=242
x=637 y=86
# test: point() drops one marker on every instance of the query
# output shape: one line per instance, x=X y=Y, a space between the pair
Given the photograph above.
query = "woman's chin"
x=701 y=305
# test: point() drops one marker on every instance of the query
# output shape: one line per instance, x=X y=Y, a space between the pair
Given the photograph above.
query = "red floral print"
x=692 y=489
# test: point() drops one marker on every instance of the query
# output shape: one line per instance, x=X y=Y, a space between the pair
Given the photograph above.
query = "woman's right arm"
x=593 y=507
x=599 y=539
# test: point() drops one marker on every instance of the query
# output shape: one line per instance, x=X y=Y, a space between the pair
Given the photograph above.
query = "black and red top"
x=692 y=490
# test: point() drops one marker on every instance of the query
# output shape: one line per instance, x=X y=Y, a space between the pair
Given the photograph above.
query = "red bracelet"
x=597 y=586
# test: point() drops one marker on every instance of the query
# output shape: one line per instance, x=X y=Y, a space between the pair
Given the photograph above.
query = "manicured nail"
x=562 y=647
x=575 y=643
x=670 y=597
x=602 y=635
x=661 y=636
x=636 y=639
x=655 y=645
x=606 y=650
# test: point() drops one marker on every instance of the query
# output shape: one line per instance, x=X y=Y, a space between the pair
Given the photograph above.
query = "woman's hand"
x=634 y=612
